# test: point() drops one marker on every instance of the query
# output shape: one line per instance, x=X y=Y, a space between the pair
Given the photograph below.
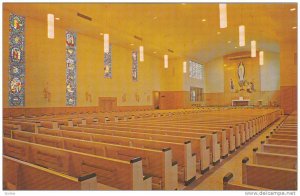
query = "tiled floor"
x=215 y=180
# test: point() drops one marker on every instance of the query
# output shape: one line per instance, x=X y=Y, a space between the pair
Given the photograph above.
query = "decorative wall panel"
x=71 y=70
x=16 y=60
x=134 y=66
x=108 y=64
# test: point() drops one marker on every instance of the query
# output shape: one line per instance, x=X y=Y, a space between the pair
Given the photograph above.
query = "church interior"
x=149 y=96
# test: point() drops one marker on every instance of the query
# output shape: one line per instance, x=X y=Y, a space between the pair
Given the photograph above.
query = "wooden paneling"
x=224 y=99
x=13 y=112
x=173 y=99
x=288 y=98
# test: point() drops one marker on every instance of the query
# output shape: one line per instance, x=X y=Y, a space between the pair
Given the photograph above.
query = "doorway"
x=156 y=95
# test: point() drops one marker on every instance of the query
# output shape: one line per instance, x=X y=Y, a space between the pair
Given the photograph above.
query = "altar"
x=240 y=102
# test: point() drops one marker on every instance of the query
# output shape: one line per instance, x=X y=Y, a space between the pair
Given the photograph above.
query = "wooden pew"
x=279 y=131
x=182 y=152
x=281 y=141
x=282 y=136
x=200 y=147
x=245 y=125
x=25 y=126
x=39 y=121
x=56 y=121
x=280 y=149
x=157 y=163
x=238 y=130
x=274 y=159
x=50 y=124
x=191 y=127
x=8 y=127
x=228 y=184
x=123 y=175
x=20 y=175
x=267 y=118
x=215 y=139
x=268 y=177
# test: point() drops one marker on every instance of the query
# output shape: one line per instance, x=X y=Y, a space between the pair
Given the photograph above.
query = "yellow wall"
x=46 y=68
x=270 y=72
x=266 y=79
x=5 y=57
x=252 y=71
x=171 y=77
x=214 y=72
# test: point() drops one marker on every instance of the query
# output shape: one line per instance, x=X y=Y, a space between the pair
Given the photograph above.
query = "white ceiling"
x=174 y=26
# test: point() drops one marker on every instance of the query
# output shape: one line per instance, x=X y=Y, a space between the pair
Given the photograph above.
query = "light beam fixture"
x=184 y=67
x=51 y=26
x=223 y=15
x=242 y=35
x=261 y=57
x=166 y=61
x=141 y=53
x=253 y=48
x=106 y=43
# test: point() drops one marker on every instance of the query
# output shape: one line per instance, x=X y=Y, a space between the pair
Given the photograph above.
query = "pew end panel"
x=171 y=170
x=216 y=151
x=190 y=162
x=224 y=144
x=205 y=155
x=139 y=181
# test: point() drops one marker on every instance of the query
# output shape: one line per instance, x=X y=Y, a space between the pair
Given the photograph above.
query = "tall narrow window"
x=16 y=90
x=134 y=66
x=196 y=70
x=108 y=64
x=71 y=70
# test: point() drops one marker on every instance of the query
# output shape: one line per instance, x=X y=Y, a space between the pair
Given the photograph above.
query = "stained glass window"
x=71 y=69
x=134 y=66
x=196 y=70
x=16 y=60
x=108 y=64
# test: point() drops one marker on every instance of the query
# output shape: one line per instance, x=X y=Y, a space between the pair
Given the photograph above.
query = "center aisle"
x=214 y=179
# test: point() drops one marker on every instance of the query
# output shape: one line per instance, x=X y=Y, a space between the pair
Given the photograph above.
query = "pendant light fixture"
x=261 y=57
x=141 y=39
x=51 y=26
x=184 y=67
x=141 y=53
x=242 y=35
x=106 y=43
x=223 y=15
x=166 y=61
x=253 y=48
